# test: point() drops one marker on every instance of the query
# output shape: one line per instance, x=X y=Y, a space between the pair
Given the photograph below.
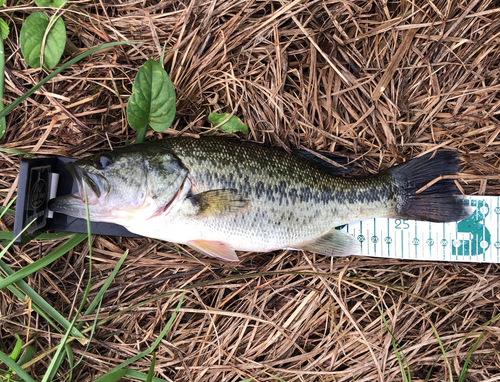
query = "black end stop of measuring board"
x=41 y=179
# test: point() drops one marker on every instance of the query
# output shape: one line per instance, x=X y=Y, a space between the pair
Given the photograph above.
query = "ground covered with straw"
x=380 y=81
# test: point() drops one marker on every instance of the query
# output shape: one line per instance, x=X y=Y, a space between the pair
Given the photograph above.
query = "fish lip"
x=75 y=204
x=68 y=205
x=83 y=177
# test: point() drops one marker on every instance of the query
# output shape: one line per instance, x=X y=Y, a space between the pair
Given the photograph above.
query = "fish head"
x=122 y=186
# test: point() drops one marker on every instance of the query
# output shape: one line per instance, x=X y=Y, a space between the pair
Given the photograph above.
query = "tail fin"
x=441 y=202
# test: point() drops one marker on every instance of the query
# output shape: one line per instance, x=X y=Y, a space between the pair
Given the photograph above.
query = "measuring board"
x=475 y=239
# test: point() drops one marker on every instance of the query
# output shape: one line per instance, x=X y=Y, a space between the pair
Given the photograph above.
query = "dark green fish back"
x=290 y=196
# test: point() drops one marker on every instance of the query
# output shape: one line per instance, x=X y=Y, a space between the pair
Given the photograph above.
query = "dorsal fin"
x=343 y=167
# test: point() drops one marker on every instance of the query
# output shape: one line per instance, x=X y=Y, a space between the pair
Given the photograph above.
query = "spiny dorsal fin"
x=343 y=165
x=334 y=243
x=220 y=202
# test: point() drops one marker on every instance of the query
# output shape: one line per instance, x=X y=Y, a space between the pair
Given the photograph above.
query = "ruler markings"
x=475 y=239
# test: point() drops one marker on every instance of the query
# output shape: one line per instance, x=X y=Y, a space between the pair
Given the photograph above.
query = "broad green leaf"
x=59 y=3
x=48 y=3
x=2 y=2
x=31 y=40
x=4 y=28
x=152 y=100
x=227 y=125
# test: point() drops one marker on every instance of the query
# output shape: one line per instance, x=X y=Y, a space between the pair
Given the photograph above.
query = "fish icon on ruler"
x=473 y=237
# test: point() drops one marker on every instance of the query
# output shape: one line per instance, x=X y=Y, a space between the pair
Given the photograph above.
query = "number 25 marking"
x=402 y=224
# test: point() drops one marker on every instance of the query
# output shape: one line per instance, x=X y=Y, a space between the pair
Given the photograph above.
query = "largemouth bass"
x=220 y=195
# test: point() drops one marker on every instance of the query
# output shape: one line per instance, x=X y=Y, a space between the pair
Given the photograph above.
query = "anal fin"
x=334 y=243
x=217 y=249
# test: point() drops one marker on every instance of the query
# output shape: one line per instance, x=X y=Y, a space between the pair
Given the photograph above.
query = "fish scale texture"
x=291 y=201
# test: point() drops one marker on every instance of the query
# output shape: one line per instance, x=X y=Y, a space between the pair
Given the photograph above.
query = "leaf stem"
x=141 y=134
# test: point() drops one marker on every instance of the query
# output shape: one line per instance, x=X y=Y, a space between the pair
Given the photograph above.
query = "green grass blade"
x=58 y=357
x=3 y=125
x=70 y=357
x=44 y=261
x=15 y=367
x=151 y=369
x=55 y=363
x=465 y=367
x=39 y=304
x=446 y=361
x=142 y=377
x=52 y=236
x=247 y=380
x=112 y=376
x=17 y=348
x=9 y=244
x=7 y=210
x=66 y=65
x=275 y=377
x=6 y=235
x=150 y=349
x=403 y=366
x=104 y=288
x=17 y=151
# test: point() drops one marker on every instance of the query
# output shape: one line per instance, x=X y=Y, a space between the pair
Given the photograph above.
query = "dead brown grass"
x=382 y=81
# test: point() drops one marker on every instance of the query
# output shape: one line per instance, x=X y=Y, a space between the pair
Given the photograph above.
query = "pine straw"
x=382 y=82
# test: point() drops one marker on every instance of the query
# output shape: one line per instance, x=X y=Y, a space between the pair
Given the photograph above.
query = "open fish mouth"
x=83 y=178
x=75 y=204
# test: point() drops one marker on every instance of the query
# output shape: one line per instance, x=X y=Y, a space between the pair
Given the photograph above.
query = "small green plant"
x=227 y=123
x=152 y=101
x=42 y=40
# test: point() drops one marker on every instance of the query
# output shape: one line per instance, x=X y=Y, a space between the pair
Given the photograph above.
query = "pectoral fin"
x=334 y=243
x=216 y=249
x=220 y=202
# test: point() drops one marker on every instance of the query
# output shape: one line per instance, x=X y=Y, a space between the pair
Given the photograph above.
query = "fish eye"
x=102 y=161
